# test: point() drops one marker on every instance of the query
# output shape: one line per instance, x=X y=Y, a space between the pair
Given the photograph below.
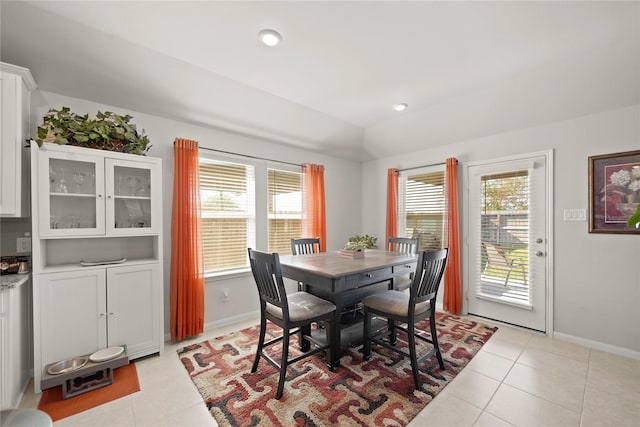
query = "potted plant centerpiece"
x=107 y=131
x=357 y=244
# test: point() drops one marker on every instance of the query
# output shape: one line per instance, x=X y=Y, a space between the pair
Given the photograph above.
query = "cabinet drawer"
x=362 y=279
x=409 y=267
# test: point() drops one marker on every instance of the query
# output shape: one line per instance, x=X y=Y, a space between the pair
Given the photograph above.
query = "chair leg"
x=263 y=330
x=283 y=363
x=366 y=346
x=412 y=354
x=434 y=338
x=328 y=326
x=392 y=332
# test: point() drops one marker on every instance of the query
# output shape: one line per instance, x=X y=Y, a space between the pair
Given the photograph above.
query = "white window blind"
x=421 y=208
x=284 y=210
x=227 y=193
x=504 y=236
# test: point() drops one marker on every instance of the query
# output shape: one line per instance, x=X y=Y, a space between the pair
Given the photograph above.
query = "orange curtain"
x=392 y=203
x=187 y=266
x=313 y=210
x=452 y=282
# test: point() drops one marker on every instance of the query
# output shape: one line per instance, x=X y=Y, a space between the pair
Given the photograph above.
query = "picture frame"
x=614 y=192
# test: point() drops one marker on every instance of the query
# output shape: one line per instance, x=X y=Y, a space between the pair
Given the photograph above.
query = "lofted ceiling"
x=466 y=69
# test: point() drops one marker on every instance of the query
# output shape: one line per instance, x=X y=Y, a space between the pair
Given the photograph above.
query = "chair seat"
x=402 y=283
x=302 y=306
x=394 y=303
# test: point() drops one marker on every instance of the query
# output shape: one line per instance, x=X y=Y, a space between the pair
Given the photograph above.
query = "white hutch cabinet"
x=16 y=83
x=97 y=261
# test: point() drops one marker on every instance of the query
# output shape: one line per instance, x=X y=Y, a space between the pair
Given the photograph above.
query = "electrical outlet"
x=23 y=244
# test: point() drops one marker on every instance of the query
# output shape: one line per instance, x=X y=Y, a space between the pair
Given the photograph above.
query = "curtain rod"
x=424 y=166
x=251 y=157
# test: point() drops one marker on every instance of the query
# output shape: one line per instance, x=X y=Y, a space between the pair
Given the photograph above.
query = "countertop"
x=8 y=281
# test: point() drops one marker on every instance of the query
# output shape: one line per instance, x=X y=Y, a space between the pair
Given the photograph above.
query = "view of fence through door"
x=507 y=206
x=504 y=237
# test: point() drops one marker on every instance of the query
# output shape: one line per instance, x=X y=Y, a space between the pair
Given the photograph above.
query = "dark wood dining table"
x=345 y=281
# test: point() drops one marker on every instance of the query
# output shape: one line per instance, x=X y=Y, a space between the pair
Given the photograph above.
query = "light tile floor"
x=519 y=378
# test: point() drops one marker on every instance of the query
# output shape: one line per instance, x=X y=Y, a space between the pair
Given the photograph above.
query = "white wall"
x=597 y=276
x=342 y=182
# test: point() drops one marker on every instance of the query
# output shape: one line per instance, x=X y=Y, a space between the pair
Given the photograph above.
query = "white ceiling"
x=466 y=69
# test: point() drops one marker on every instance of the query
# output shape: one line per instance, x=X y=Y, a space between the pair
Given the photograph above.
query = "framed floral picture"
x=614 y=192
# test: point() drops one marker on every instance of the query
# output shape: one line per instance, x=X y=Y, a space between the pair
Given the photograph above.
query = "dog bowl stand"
x=90 y=377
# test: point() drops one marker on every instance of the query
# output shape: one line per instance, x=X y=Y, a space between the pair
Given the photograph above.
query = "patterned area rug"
x=377 y=392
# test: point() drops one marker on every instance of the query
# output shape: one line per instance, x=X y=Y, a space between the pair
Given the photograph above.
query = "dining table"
x=345 y=281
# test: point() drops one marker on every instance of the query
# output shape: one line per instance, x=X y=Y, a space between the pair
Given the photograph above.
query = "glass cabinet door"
x=132 y=197
x=72 y=202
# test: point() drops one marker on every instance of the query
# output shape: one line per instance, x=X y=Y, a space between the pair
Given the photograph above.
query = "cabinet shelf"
x=90 y=196
x=76 y=266
x=132 y=197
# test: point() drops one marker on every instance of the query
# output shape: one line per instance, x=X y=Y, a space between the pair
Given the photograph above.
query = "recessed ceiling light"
x=400 y=107
x=270 y=37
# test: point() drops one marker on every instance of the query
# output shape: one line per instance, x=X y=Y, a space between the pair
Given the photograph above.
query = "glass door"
x=508 y=211
x=72 y=202
x=132 y=195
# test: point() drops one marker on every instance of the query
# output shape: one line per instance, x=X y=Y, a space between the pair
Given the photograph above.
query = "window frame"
x=403 y=176
x=261 y=202
x=288 y=169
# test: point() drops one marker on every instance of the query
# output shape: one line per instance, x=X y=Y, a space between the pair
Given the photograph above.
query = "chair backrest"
x=429 y=272
x=267 y=274
x=404 y=245
x=306 y=245
x=495 y=255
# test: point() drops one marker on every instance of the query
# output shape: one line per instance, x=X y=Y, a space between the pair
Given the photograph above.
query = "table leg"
x=305 y=345
x=336 y=345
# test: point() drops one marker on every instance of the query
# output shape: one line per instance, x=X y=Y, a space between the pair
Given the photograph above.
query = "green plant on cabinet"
x=107 y=131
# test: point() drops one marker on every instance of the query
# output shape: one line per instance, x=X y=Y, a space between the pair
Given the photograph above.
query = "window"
x=285 y=209
x=504 y=237
x=227 y=194
x=247 y=204
x=421 y=207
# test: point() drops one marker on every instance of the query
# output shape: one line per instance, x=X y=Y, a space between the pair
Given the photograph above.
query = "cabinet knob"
x=368 y=275
x=407 y=266
x=99 y=196
x=110 y=313
x=109 y=196
x=101 y=314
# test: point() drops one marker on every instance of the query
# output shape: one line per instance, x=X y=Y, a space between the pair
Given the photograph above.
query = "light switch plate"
x=575 y=215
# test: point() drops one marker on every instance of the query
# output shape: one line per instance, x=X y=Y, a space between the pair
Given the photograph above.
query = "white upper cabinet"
x=17 y=83
x=87 y=192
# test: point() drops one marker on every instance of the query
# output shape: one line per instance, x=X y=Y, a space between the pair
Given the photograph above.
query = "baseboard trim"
x=223 y=322
x=620 y=351
x=233 y=319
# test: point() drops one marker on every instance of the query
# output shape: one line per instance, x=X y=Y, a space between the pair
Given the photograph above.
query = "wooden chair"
x=305 y=245
x=498 y=258
x=404 y=245
x=398 y=307
x=293 y=313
